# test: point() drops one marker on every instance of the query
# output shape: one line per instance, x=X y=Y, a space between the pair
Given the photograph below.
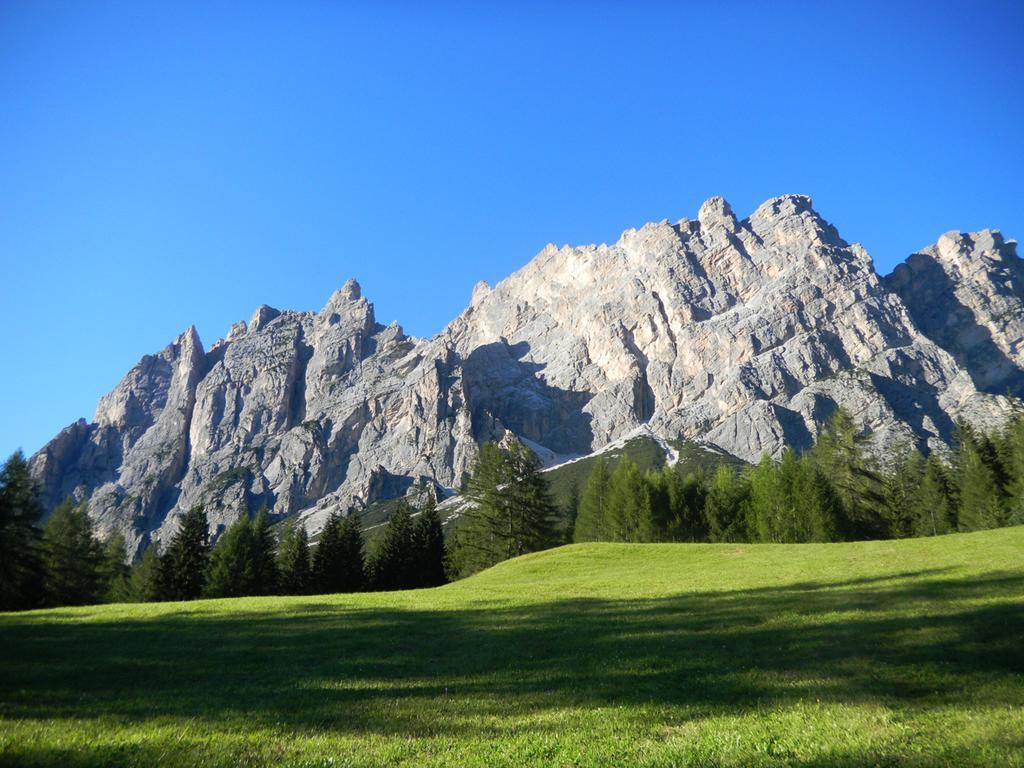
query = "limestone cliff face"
x=745 y=334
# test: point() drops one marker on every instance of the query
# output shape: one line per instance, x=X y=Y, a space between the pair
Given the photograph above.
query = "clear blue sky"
x=171 y=164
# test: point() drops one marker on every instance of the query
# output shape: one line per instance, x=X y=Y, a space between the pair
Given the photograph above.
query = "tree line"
x=834 y=491
x=63 y=562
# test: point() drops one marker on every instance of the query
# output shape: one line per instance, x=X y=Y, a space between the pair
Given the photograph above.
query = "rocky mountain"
x=742 y=334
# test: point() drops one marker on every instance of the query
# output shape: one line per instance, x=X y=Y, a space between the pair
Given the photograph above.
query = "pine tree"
x=352 y=573
x=146 y=583
x=724 y=505
x=428 y=543
x=933 y=510
x=978 y=490
x=71 y=556
x=293 y=561
x=393 y=563
x=114 y=571
x=231 y=567
x=766 y=505
x=857 y=482
x=264 y=563
x=509 y=512
x=20 y=511
x=686 y=499
x=183 y=566
x=1011 y=448
x=572 y=511
x=902 y=484
x=338 y=561
x=592 y=519
x=629 y=516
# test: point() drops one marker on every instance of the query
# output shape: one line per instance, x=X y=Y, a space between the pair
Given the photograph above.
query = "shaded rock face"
x=746 y=334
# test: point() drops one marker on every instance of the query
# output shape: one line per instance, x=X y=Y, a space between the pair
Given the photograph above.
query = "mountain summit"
x=744 y=334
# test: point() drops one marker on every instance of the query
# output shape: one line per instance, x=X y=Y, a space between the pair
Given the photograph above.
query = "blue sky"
x=171 y=164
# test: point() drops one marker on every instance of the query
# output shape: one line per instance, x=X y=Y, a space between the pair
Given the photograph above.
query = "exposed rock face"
x=745 y=334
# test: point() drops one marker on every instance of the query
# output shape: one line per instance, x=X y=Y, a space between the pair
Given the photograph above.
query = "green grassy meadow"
x=878 y=653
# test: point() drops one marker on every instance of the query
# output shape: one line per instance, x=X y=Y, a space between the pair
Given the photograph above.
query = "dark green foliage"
x=511 y=511
x=294 y=570
x=338 y=562
x=429 y=546
x=977 y=482
x=629 y=516
x=183 y=566
x=793 y=501
x=20 y=569
x=591 y=522
x=856 y=480
x=146 y=582
x=933 y=509
x=71 y=557
x=264 y=561
x=393 y=564
x=231 y=570
x=114 y=571
x=571 y=511
x=725 y=505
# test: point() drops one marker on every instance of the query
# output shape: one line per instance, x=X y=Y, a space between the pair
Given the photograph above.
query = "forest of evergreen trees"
x=831 y=492
x=64 y=563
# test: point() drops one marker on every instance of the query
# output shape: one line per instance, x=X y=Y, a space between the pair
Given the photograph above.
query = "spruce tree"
x=902 y=485
x=429 y=546
x=393 y=563
x=572 y=511
x=20 y=511
x=146 y=583
x=293 y=561
x=629 y=514
x=264 y=562
x=592 y=518
x=183 y=566
x=724 y=505
x=352 y=566
x=114 y=571
x=685 y=520
x=934 y=508
x=231 y=567
x=338 y=561
x=767 y=501
x=71 y=556
x=978 y=491
x=858 y=484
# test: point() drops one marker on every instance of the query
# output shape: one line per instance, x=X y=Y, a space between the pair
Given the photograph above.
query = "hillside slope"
x=745 y=334
x=875 y=653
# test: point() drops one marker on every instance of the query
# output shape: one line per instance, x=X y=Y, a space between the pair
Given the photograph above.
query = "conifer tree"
x=902 y=485
x=338 y=561
x=114 y=571
x=572 y=511
x=146 y=583
x=293 y=561
x=857 y=482
x=629 y=513
x=934 y=509
x=510 y=510
x=71 y=556
x=685 y=520
x=183 y=566
x=393 y=563
x=264 y=562
x=429 y=545
x=980 y=499
x=20 y=511
x=231 y=568
x=592 y=518
x=724 y=505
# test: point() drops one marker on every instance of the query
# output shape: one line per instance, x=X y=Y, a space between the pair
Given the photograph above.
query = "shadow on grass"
x=916 y=641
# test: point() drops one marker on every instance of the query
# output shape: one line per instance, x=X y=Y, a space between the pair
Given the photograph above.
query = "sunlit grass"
x=887 y=653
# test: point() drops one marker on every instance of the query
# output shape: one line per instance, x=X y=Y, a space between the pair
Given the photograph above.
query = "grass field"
x=880 y=653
